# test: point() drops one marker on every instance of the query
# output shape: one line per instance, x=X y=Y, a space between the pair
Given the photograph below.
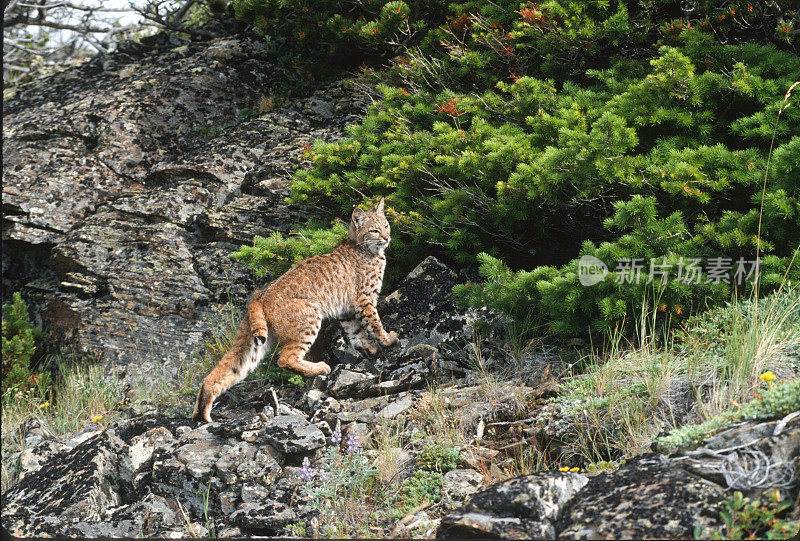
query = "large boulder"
x=149 y=476
x=647 y=496
x=521 y=508
x=435 y=336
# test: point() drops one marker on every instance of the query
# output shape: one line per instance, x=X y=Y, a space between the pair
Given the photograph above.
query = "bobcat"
x=342 y=284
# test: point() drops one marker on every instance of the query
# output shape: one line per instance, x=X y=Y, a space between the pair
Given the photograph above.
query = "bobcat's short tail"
x=243 y=357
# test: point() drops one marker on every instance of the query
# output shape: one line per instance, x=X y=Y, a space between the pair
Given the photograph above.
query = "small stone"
x=293 y=434
x=348 y=383
x=285 y=409
x=396 y=408
x=460 y=483
x=314 y=397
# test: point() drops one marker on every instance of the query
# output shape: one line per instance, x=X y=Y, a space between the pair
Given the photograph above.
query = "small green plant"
x=424 y=486
x=275 y=374
x=758 y=519
x=296 y=530
x=438 y=458
x=19 y=347
x=343 y=488
x=206 y=497
x=81 y=393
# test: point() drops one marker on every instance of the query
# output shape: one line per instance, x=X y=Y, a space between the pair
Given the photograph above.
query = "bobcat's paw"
x=322 y=368
x=368 y=347
x=392 y=339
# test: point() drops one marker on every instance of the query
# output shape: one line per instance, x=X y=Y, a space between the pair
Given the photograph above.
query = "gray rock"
x=315 y=397
x=129 y=179
x=460 y=483
x=396 y=408
x=343 y=383
x=751 y=457
x=522 y=508
x=292 y=434
x=136 y=457
x=71 y=486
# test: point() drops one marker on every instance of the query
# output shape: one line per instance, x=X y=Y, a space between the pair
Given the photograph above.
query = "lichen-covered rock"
x=646 y=497
x=423 y=312
x=521 y=508
x=751 y=457
x=129 y=179
x=78 y=485
x=292 y=434
x=344 y=383
x=148 y=476
x=460 y=483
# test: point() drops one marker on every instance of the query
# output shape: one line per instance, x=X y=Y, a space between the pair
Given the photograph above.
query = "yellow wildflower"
x=565 y=468
x=767 y=376
x=96 y=418
x=574 y=469
x=46 y=404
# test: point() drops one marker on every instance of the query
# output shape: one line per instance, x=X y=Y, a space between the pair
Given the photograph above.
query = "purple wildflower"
x=336 y=437
x=352 y=443
x=306 y=472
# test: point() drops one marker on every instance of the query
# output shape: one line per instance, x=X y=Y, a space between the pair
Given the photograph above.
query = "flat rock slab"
x=71 y=486
x=292 y=434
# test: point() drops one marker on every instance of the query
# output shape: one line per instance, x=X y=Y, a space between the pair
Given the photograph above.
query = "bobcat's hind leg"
x=297 y=330
x=358 y=336
x=234 y=366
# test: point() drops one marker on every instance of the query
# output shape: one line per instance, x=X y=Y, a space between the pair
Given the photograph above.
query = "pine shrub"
x=524 y=136
x=19 y=348
x=275 y=254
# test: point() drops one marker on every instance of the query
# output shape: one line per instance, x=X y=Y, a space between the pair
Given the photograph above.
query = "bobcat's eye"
x=374 y=231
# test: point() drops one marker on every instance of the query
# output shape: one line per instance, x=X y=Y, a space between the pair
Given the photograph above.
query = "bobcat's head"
x=369 y=229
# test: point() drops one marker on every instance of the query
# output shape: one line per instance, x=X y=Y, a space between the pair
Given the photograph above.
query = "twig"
x=406 y=519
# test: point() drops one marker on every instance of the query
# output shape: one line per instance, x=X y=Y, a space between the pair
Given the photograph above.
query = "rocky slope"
x=152 y=475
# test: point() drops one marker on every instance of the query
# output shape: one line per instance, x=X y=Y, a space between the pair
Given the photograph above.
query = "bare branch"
x=77 y=7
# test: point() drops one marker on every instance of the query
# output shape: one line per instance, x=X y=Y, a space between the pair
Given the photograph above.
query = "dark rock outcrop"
x=520 y=508
x=129 y=180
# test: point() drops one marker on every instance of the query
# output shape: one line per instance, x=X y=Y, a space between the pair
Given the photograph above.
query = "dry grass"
x=630 y=393
x=82 y=394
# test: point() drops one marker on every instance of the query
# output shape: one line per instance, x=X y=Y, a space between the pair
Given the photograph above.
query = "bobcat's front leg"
x=367 y=314
x=258 y=321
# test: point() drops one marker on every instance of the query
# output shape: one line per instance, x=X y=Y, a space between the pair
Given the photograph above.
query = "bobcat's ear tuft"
x=358 y=215
x=379 y=207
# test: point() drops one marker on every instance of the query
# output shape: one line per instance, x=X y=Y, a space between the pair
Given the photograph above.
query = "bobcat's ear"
x=379 y=207
x=358 y=215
